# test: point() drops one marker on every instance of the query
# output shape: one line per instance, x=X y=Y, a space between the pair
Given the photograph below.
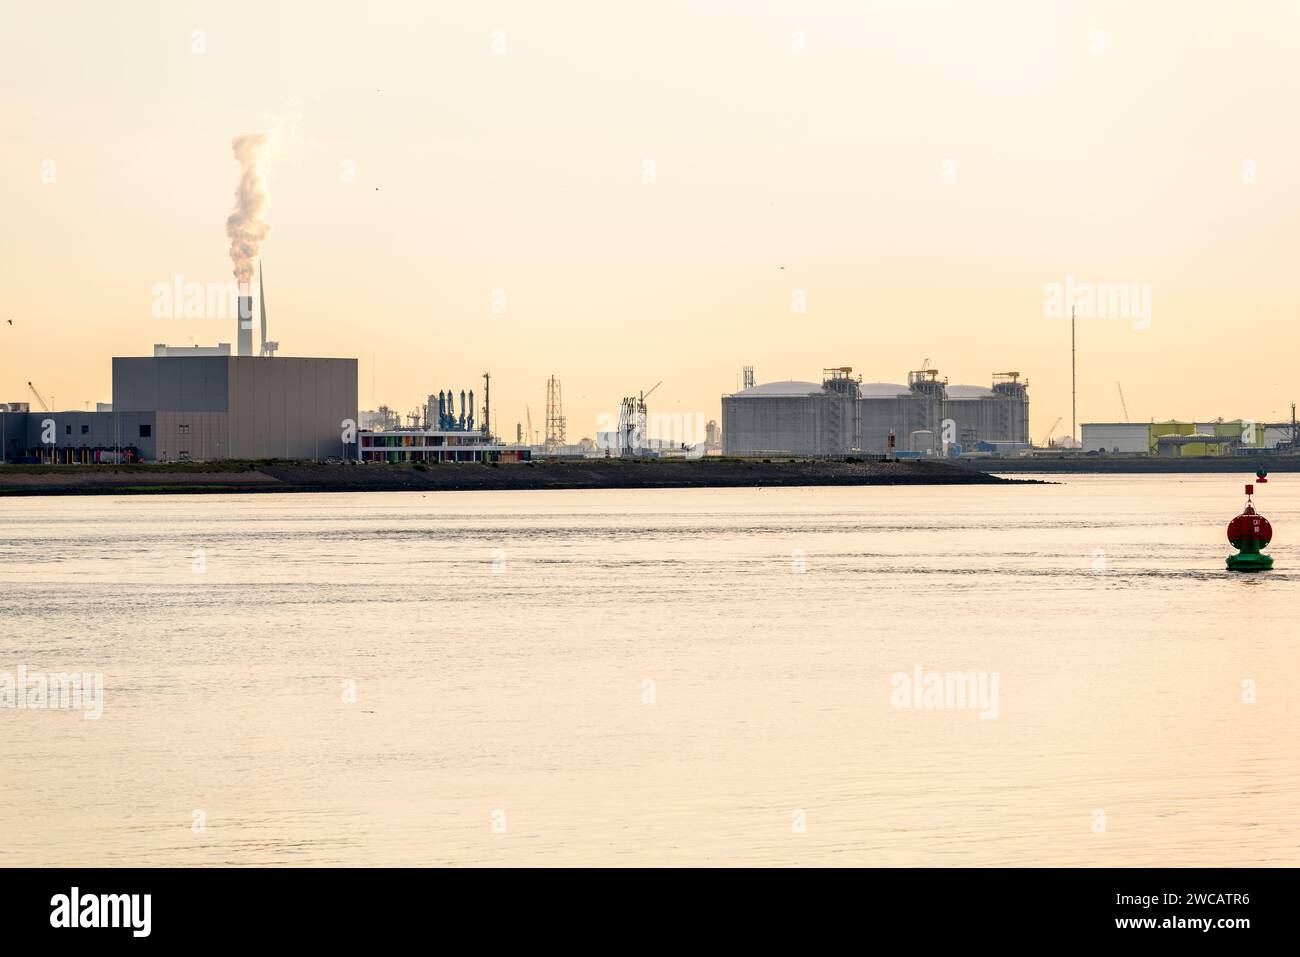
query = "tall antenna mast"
x=555 y=431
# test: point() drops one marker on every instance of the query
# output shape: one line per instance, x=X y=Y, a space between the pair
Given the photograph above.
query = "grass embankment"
x=298 y=476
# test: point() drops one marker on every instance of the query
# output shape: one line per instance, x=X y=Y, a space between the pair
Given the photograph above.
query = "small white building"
x=1116 y=437
x=432 y=445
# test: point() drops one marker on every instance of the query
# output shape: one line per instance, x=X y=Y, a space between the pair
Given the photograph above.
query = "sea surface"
x=662 y=677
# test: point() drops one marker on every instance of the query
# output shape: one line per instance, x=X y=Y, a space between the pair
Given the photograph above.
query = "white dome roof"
x=788 y=387
x=882 y=390
x=969 y=392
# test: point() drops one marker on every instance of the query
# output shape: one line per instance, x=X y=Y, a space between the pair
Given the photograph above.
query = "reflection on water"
x=653 y=676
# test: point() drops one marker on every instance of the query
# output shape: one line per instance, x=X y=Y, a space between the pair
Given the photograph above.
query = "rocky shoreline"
x=228 y=477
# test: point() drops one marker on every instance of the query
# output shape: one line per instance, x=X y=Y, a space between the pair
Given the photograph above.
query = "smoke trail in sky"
x=247 y=226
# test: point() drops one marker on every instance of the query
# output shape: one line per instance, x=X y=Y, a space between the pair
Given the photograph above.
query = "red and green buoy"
x=1248 y=533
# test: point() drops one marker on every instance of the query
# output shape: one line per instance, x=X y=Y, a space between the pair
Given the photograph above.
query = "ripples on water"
x=501 y=645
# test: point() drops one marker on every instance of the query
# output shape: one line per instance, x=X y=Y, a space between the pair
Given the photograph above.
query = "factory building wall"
x=1116 y=436
x=242 y=407
x=291 y=407
x=171 y=383
x=83 y=432
x=13 y=434
x=192 y=436
x=1275 y=435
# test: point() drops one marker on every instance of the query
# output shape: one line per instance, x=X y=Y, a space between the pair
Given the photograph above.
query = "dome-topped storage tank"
x=843 y=415
x=881 y=390
x=786 y=387
x=791 y=417
x=970 y=392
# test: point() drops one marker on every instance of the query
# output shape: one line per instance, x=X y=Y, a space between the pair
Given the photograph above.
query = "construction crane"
x=528 y=414
x=646 y=395
x=1122 y=404
x=1048 y=437
x=39 y=397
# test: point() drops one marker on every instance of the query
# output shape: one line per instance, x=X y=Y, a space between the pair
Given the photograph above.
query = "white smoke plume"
x=247 y=226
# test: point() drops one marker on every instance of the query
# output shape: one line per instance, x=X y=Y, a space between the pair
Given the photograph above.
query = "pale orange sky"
x=522 y=171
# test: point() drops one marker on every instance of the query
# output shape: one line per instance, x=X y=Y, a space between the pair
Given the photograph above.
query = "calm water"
x=654 y=677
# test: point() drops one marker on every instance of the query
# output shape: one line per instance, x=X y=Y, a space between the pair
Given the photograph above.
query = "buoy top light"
x=1262 y=476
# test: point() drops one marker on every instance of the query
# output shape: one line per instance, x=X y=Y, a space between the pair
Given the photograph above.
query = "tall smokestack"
x=246 y=226
x=245 y=332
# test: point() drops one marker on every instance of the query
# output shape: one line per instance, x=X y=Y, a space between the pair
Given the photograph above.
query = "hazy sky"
x=916 y=172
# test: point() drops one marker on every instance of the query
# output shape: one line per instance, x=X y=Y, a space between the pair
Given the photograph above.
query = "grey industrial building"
x=843 y=415
x=171 y=408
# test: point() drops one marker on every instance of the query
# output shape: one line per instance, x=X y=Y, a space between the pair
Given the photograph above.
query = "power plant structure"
x=444 y=431
x=633 y=437
x=243 y=328
x=178 y=408
x=202 y=403
x=842 y=415
x=440 y=415
x=633 y=425
x=244 y=333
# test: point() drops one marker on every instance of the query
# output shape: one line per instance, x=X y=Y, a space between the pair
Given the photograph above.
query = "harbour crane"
x=1122 y=404
x=39 y=397
x=1048 y=437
